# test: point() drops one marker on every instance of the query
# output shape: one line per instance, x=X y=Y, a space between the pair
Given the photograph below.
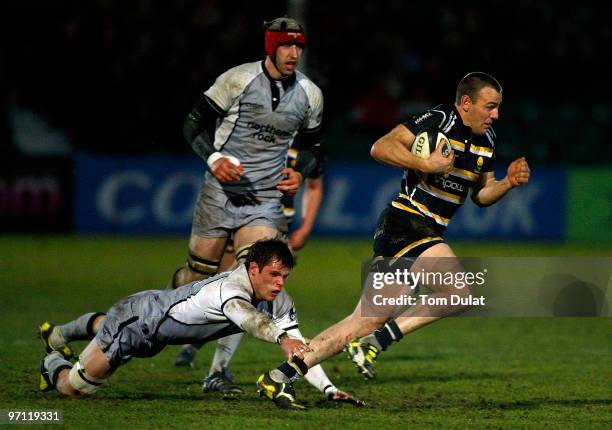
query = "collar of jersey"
x=465 y=130
x=285 y=82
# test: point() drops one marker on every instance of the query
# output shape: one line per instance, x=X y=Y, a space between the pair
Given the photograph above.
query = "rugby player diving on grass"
x=142 y=324
x=410 y=230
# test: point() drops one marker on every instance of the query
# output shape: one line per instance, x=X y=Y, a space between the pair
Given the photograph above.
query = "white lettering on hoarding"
x=158 y=200
x=163 y=197
x=347 y=208
x=107 y=197
x=514 y=211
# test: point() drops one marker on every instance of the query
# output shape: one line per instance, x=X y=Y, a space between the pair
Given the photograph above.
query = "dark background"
x=120 y=76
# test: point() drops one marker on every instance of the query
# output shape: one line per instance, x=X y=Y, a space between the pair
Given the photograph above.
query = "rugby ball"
x=427 y=141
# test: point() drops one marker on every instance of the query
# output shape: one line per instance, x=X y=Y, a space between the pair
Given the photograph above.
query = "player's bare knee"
x=63 y=384
x=97 y=322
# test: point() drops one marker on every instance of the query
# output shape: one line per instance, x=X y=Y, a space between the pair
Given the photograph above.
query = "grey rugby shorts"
x=120 y=337
x=217 y=215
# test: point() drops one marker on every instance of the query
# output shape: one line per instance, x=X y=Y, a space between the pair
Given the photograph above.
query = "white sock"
x=226 y=346
x=278 y=376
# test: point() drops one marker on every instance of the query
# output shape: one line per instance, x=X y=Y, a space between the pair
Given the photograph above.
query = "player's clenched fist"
x=438 y=163
x=292 y=183
x=518 y=172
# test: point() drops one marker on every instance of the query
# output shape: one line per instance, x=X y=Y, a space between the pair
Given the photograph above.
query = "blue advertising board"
x=157 y=194
x=536 y=211
x=141 y=195
x=356 y=194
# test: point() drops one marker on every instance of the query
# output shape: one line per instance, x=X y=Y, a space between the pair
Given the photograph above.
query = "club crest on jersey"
x=479 y=163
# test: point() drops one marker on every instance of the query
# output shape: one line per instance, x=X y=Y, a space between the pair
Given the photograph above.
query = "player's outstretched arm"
x=489 y=191
x=258 y=325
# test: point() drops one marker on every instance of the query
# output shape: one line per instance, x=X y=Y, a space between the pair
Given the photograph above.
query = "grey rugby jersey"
x=262 y=117
x=195 y=312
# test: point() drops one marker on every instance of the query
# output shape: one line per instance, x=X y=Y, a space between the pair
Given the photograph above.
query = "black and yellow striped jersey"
x=434 y=196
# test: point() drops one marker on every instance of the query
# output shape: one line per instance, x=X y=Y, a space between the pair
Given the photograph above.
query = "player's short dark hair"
x=471 y=84
x=263 y=252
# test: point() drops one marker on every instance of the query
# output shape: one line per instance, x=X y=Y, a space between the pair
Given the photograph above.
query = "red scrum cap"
x=280 y=31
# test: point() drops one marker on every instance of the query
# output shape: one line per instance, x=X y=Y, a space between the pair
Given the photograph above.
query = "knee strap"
x=81 y=381
x=203 y=267
x=241 y=253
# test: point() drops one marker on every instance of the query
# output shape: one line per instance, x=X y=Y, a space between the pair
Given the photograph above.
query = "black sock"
x=289 y=371
x=387 y=334
x=293 y=370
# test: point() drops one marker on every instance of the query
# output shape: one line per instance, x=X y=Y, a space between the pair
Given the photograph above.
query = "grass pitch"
x=457 y=373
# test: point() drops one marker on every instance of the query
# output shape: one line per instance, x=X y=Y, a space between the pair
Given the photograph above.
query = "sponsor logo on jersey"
x=423 y=117
x=267 y=133
x=447 y=184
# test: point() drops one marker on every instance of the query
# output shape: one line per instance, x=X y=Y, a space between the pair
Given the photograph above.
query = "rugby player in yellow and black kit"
x=430 y=194
x=413 y=224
